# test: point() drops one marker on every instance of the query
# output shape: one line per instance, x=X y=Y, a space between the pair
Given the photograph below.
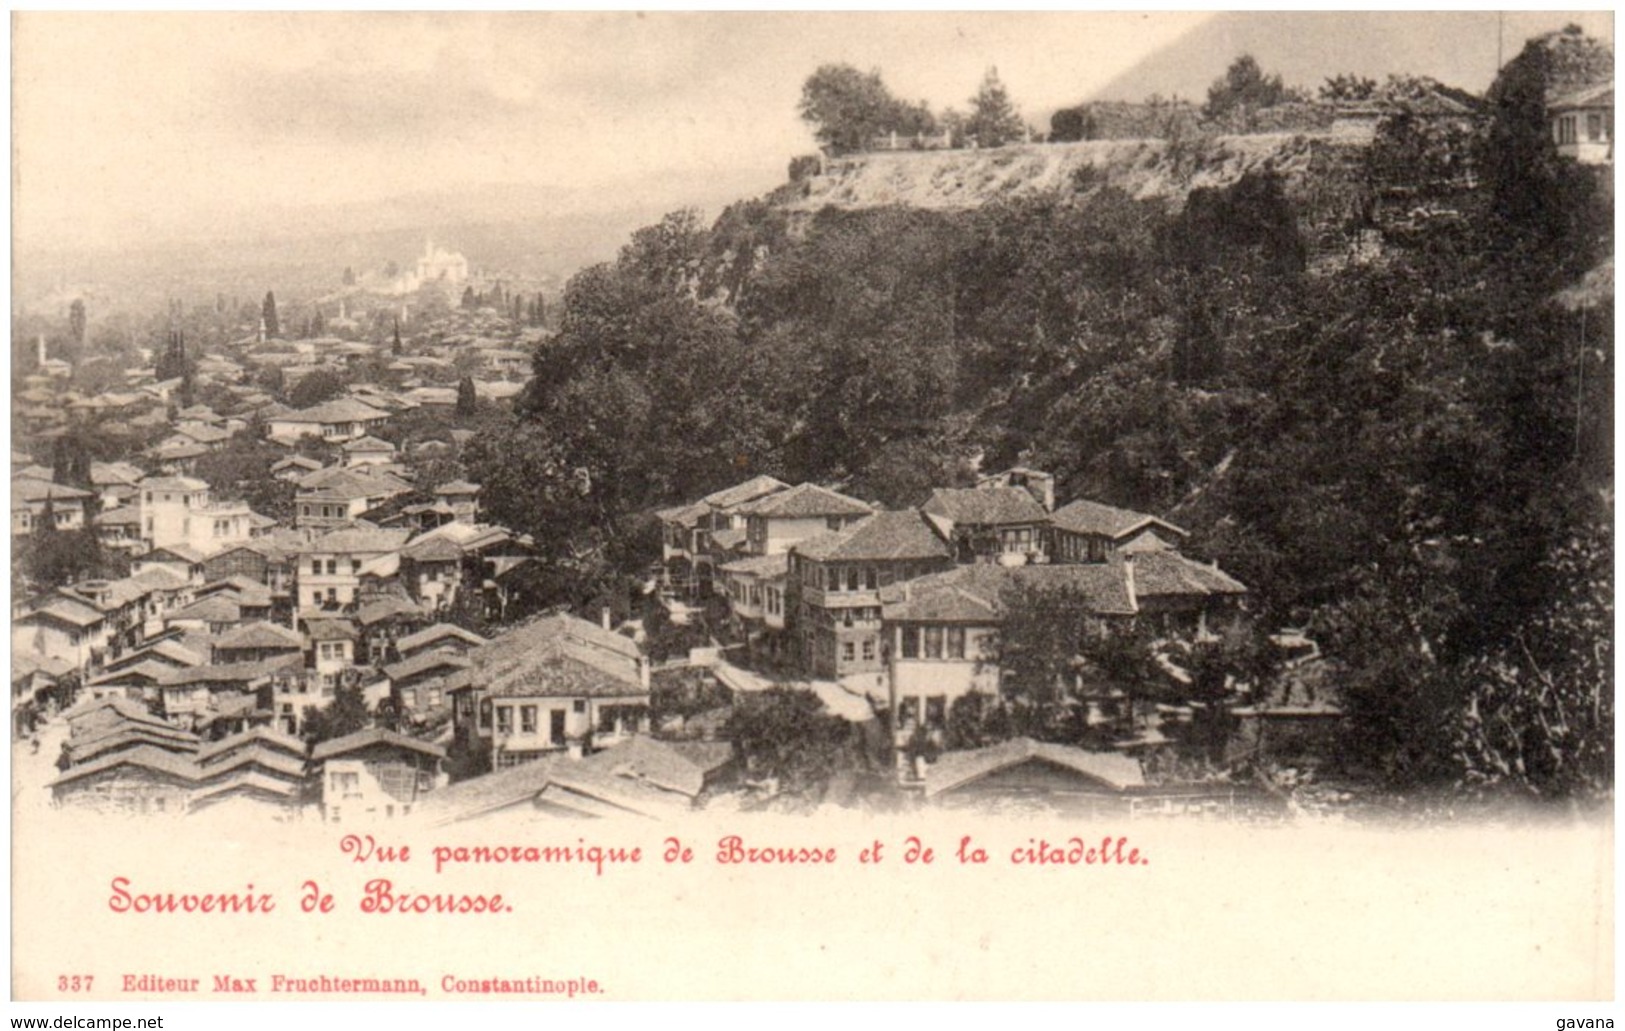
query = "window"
x=332 y=595
x=871 y=578
x=911 y=642
x=1567 y=129
x=848 y=651
x=834 y=522
x=332 y=566
x=485 y=714
x=505 y=719
x=315 y=567
x=527 y=719
x=1593 y=126
x=933 y=642
x=355 y=566
x=936 y=710
x=851 y=578
x=868 y=649
x=956 y=642
x=580 y=705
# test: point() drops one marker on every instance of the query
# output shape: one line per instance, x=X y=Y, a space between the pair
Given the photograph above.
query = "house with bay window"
x=833 y=585
x=556 y=684
x=1007 y=525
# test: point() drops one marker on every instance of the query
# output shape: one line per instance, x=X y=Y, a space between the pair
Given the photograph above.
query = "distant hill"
x=1457 y=47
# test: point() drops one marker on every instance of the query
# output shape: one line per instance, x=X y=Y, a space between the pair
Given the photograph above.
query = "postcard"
x=1082 y=507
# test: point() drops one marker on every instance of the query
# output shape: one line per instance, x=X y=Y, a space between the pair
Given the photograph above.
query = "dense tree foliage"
x=1393 y=451
x=1245 y=86
x=273 y=327
x=785 y=735
x=316 y=387
x=848 y=108
x=993 y=120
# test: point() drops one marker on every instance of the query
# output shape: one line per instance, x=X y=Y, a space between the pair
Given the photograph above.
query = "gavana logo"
x=1568 y=1022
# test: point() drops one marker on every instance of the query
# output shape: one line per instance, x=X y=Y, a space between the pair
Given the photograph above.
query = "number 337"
x=74 y=983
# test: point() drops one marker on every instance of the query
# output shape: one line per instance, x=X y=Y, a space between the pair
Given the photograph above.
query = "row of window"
x=324 y=511
x=1568 y=128
x=332 y=566
x=934 y=642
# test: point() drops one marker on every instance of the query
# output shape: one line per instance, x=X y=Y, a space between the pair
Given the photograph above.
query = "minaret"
x=40 y=345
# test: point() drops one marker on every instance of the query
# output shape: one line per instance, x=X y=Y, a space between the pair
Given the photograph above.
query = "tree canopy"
x=848 y=108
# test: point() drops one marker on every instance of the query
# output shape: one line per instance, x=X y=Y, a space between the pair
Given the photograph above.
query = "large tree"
x=849 y=108
x=993 y=120
x=1245 y=87
x=76 y=321
x=273 y=328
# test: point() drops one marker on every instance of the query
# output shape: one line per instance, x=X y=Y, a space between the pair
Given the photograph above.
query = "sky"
x=138 y=127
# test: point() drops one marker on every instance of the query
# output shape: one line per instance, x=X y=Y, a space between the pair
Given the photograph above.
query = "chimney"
x=41 y=346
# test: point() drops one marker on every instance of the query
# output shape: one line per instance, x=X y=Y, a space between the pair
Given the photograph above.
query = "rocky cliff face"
x=1144 y=169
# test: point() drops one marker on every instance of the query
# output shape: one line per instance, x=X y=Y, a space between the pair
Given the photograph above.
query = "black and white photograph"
x=493 y=492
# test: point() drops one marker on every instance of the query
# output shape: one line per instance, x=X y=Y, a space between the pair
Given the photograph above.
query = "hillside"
x=957 y=180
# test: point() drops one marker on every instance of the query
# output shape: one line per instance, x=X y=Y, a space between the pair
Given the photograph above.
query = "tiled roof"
x=125 y=735
x=727 y=540
x=1598 y=95
x=566 y=669
x=990 y=506
x=215 y=609
x=66 y=610
x=439 y=631
x=684 y=515
x=183 y=552
x=278 y=762
x=597 y=791
x=259 y=635
x=457 y=487
x=122 y=708
x=1091 y=517
x=407 y=668
x=161 y=578
x=29 y=489
x=806 y=500
x=894 y=535
x=106 y=473
x=378 y=611
x=767 y=567
x=181 y=484
x=492 y=791
x=357 y=541
x=433 y=549
x=123 y=515
x=652 y=762
x=368 y=443
x=740 y=493
x=330 y=630
x=1110 y=770
x=296 y=462
x=228 y=672
x=337 y=411
x=260 y=737
x=1165 y=573
x=976 y=593
x=374 y=736
x=349 y=484
x=147 y=757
